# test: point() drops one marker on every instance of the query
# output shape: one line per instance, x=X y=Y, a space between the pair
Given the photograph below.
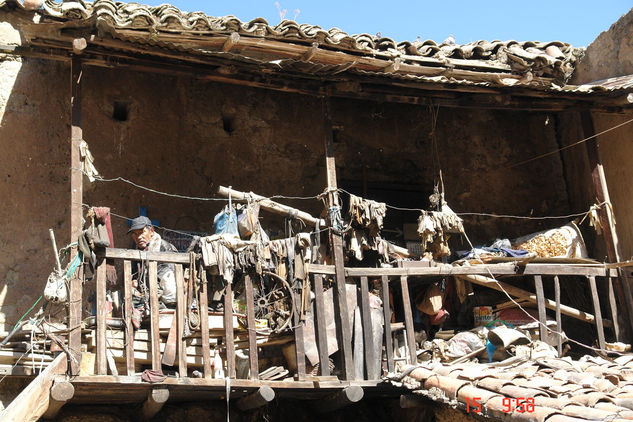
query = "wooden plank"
x=386 y=307
x=34 y=400
x=343 y=398
x=597 y=312
x=524 y=294
x=181 y=310
x=61 y=392
x=129 y=306
x=228 y=331
x=102 y=368
x=607 y=219
x=253 y=356
x=321 y=326
x=540 y=303
x=408 y=320
x=559 y=326
x=204 y=324
x=299 y=341
x=153 y=304
x=171 y=348
x=343 y=329
x=257 y=399
x=448 y=270
x=76 y=214
x=136 y=255
x=614 y=309
x=156 y=398
x=371 y=363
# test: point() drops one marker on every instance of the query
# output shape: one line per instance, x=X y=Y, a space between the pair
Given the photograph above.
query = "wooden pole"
x=559 y=325
x=540 y=303
x=257 y=399
x=102 y=368
x=154 y=402
x=129 y=308
x=607 y=218
x=343 y=329
x=61 y=392
x=76 y=200
x=343 y=398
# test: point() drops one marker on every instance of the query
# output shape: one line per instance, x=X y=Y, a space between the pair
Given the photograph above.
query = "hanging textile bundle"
x=433 y=227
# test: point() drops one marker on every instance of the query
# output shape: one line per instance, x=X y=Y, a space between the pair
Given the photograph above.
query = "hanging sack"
x=225 y=222
x=430 y=301
x=247 y=219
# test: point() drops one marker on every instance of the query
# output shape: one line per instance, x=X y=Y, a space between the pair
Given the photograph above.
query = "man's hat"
x=140 y=223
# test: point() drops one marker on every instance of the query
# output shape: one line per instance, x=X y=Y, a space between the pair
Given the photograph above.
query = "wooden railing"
x=377 y=359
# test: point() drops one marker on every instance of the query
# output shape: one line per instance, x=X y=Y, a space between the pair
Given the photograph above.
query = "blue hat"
x=140 y=223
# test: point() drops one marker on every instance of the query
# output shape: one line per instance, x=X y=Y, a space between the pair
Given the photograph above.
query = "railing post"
x=154 y=317
x=597 y=311
x=559 y=327
x=614 y=309
x=253 y=357
x=228 y=331
x=102 y=368
x=371 y=364
x=129 y=308
x=540 y=303
x=180 y=318
x=320 y=326
x=204 y=324
x=386 y=307
x=408 y=320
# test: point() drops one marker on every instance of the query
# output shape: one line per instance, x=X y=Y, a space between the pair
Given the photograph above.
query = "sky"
x=577 y=22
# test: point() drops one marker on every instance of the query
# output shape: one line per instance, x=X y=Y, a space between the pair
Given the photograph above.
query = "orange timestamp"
x=509 y=404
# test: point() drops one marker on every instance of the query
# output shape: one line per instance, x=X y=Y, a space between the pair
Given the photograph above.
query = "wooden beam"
x=204 y=324
x=253 y=355
x=607 y=219
x=230 y=42
x=408 y=320
x=540 y=303
x=76 y=201
x=228 y=331
x=79 y=45
x=310 y=52
x=61 y=392
x=156 y=398
x=597 y=312
x=524 y=294
x=136 y=255
x=129 y=308
x=321 y=326
x=102 y=364
x=33 y=401
x=386 y=306
x=343 y=329
x=559 y=326
x=259 y=398
x=343 y=398
x=270 y=205
x=153 y=310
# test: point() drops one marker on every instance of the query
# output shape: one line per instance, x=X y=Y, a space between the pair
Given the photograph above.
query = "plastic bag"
x=225 y=222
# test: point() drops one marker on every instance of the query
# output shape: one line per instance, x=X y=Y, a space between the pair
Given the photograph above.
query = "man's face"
x=142 y=237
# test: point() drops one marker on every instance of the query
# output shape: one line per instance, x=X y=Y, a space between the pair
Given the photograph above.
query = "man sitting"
x=146 y=239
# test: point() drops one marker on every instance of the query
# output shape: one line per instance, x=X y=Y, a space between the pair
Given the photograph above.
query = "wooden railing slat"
x=253 y=357
x=596 y=311
x=386 y=307
x=129 y=307
x=154 y=316
x=101 y=361
x=371 y=364
x=614 y=309
x=559 y=327
x=408 y=320
x=320 y=327
x=228 y=331
x=204 y=325
x=181 y=309
x=299 y=340
x=540 y=303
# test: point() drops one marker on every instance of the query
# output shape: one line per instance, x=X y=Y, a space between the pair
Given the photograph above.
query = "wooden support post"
x=129 y=306
x=596 y=311
x=614 y=310
x=343 y=398
x=153 y=305
x=228 y=331
x=299 y=342
x=408 y=320
x=154 y=402
x=386 y=307
x=61 y=392
x=607 y=219
x=371 y=363
x=34 y=400
x=181 y=311
x=259 y=398
x=343 y=329
x=102 y=365
x=76 y=200
x=540 y=303
x=204 y=324
x=253 y=355
x=321 y=326
x=559 y=327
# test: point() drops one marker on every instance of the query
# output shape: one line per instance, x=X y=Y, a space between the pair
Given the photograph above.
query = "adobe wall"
x=188 y=136
x=610 y=55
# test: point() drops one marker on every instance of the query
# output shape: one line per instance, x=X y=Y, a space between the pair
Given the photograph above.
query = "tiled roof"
x=591 y=388
x=554 y=59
